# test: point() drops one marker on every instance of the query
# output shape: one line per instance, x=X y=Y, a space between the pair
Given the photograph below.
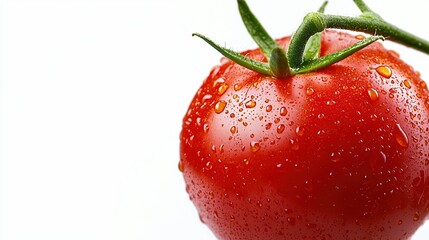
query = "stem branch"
x=317 y=22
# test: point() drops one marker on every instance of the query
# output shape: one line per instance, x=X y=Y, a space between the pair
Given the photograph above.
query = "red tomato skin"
x=340 y=153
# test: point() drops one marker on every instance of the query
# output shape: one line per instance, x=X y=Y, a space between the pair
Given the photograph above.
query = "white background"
x=92 y=94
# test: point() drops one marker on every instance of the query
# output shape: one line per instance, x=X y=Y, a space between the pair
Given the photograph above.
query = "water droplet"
x=372 y=93
x=309 y=91
x=207 y=97
x=294 y=144
x=209 y=165
x=283 y=111
x=269 y=108
x=400 y=222
x=206 y=128
x=246 y=161
x=384 y=71
x=280 y=128
x=299 y=131
x=377 y=161
x=211 y=195
x=237 y=87
x=250 y=104
x=220 y=106
x=268 y=126
x=335 y=157
x=181 y=167
x=360 y=37
x=416 y=217
x=291 y=220
x=233 y=129
x=401 y=136
x=407 y=83
x=255 y=146
x=423 y=85
x=222 y=89
x=218 y=81
x=321 y=116
x=330 y=102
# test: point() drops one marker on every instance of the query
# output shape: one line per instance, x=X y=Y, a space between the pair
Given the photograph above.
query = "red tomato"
x=339 y=153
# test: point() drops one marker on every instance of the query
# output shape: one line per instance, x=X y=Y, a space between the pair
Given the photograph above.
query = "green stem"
x=248 y=63
x=317 y=22
x=256 y=30
x=362 y=6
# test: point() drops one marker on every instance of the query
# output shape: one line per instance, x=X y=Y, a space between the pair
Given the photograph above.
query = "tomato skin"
x=340 y=153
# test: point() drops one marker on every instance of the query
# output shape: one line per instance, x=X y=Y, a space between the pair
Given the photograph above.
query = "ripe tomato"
x=338 y=153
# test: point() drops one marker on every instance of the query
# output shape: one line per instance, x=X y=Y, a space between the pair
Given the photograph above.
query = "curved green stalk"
x=256 y=30
x=317 y=22
x=251 y=64
x=312 y=48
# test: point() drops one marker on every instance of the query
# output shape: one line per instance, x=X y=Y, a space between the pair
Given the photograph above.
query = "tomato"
x=338 y=153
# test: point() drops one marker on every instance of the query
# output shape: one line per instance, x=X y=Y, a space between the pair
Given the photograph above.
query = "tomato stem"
x=303 y=53
x=369 y=22
x=256 y=30
x=312 y=48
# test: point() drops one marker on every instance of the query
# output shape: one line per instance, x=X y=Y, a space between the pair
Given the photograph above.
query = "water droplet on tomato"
x=218 y=81
x=269 y=108
x=377 y=161
x=211 y=195
x=360 y=37
x=209 y=165
x=205 y=128
x=372 y=93
x=384 y=71
x=250 y=104
x=407 y=83
x=246 y=161
x=255 y=146
x=309 y=91
x=400 y=136
x=219 y=107
x=222 y=89
x=330 y=102
x=280 y=128
x=237 y=87
x=335 y=157
x=181 y=167
x=207 y=97
x=233 y=129
x=423 y=85
x=416 y=217
x=294 y=144
x=299 y=131
x=291 y=221
x=268 y=126
x=283 y=111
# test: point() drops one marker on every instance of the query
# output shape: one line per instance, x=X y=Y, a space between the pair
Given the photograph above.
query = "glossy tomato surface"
x=340 y=153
